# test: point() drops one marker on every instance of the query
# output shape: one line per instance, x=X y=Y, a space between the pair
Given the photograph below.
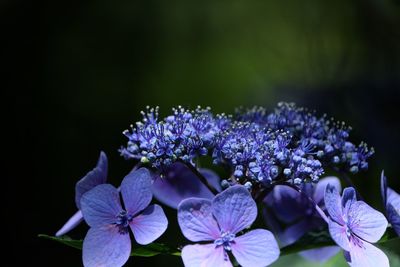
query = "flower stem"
x=348 y=181
x=201 y=177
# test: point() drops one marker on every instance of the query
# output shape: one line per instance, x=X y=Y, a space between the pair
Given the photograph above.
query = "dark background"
x=79 y=72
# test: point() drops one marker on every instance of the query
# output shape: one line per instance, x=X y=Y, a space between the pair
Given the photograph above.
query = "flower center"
x=353 y=238
x=122 y=222
x=225 y=240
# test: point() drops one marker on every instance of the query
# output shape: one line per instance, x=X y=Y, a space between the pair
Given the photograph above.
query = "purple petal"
x=394 y=217
x=105 y=246
x=149 y=225
x=196 y=220
x=101 y=205
x=286 y=203
x=366 y=222
x=393 y=209
x=212 y=178
x=204 y=256
x=319 y=190
x=95 y=177
x=333 y=204
x=320 y=254
x=383 y=188
x=292 y=233
x=76 y=219
x=180 y=183
x=393 y=198
x=349 y=194
x=338 y=234
x=367 y=255
x=136 y=191
x=257 y=248
x=234 y=209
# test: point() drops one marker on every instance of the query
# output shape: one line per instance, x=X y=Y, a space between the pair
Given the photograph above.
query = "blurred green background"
x=80 y=72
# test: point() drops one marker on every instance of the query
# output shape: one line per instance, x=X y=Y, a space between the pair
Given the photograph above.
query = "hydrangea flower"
x=178 y=182
x=294 y=209
x=107 y=242
x=391 y=201
x=93 y=178
x=259 y=148
x=220 y=221
x=354 y=225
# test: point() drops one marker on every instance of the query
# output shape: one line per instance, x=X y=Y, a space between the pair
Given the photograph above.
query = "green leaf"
x=153 y=249
x=66 y=240
x=389 y=235
x=309 y=241
x=150 y=250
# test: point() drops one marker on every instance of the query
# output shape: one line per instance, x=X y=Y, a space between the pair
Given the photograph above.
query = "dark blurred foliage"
x=80 y=72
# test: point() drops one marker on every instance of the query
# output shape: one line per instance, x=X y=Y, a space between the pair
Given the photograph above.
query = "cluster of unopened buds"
x=274 y=162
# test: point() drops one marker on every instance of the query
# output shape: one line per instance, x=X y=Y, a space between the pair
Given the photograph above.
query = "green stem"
x=201 y=177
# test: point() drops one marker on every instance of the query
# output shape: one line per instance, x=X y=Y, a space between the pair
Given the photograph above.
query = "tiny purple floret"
x=354 y=225
x=107 y=242
x=220 y=221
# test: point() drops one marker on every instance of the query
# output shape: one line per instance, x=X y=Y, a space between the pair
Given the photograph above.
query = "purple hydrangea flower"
x=294 y=209
x=107 y=242
x=258 y=147
x=178 y=182
x=354 y=225
x=391 y=201
x=93 y=178
x=219 y=222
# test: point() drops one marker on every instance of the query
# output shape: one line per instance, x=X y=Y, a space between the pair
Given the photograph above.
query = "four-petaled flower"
x=220 y=220
x=354 y=225
x=391 y=201
x=107 y=242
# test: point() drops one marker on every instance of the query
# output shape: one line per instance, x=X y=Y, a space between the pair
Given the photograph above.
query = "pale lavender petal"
x=367 y=255
x=286 y=203
x=136 y=190
x=101 y=205
x=394 y=217
x=179 y=183
x=292 y=233
x=196 y=220
x=338 y=234
x=95 y=177
x=257 y=248
x=320 y=254
x=333 y=204
x=383 y=188
x=105 y=246
x=366 y=222
x=149 y=224
x=234 y=209
x=320 y=187
x=76 y=219
x=204 y=256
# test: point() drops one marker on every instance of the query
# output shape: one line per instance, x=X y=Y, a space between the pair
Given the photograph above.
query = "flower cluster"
x=182 y=136
x=287 y=151
x=290 y=143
